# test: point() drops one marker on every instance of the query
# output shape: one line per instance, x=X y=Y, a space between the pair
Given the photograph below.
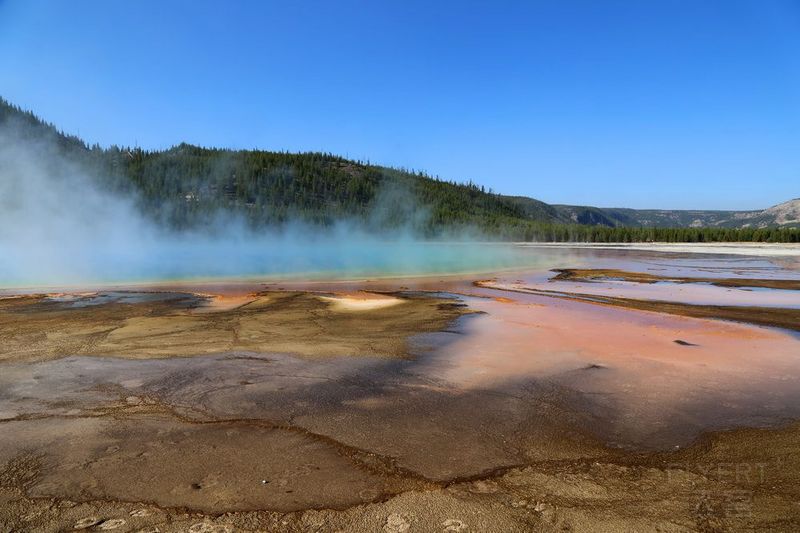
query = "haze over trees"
x=189 y=186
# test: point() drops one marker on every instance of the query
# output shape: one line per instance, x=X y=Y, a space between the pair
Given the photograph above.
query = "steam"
x=58 y=228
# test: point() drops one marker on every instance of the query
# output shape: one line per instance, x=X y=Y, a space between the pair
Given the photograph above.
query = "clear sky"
x=675 y=104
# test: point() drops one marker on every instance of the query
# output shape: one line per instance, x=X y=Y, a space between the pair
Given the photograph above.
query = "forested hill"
x=186 y=186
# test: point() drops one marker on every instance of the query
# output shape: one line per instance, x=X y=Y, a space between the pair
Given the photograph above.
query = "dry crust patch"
x=35 y=328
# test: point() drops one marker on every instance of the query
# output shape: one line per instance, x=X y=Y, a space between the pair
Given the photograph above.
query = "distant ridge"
x=786 y=214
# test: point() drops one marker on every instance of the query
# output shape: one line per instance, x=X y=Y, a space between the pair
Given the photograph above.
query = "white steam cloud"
x=58 y=228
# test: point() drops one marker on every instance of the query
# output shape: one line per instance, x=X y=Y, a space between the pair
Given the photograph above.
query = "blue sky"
x=676 y=104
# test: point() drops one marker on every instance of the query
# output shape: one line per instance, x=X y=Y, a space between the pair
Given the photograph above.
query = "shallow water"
x=115 y=297
x=701 y=293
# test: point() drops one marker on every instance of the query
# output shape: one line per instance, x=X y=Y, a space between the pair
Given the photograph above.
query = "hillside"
x=186 y=186
x=786 y=214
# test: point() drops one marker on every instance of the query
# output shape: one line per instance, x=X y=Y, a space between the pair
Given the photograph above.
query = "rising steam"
x=58 y=227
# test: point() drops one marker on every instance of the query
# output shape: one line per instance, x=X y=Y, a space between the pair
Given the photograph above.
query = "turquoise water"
x=286 y=260
x=334 y=256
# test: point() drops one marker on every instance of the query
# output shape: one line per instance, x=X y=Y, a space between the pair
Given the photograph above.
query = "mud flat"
x=595 y=274
x=738 y=481
x=396 y=405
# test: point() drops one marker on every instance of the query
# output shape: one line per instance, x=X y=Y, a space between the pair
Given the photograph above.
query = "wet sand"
x=428 y=404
